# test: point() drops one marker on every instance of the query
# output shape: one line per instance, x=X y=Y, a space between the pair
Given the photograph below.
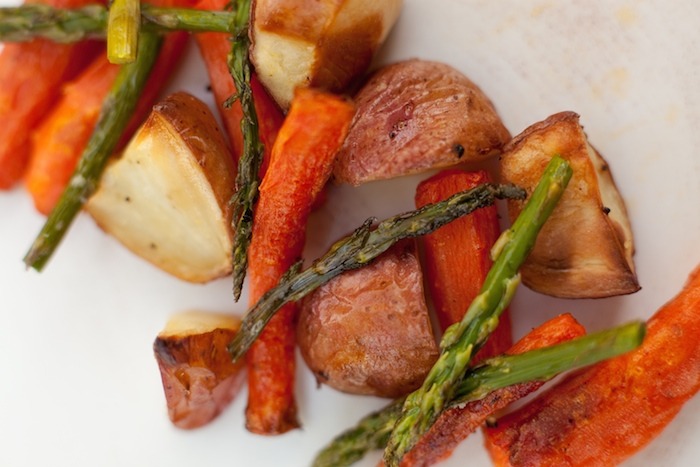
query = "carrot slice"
x=456 y=423
x=457 y=256
x=31 y=76
x=604 y=414
x=60 y=139
x=301 y=162
x=214 y=48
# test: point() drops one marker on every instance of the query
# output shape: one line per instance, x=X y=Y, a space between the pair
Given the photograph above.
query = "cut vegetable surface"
x=585 y=250
x=326 y=44
x=167 y=197
x=63 y=135
x=199 y=379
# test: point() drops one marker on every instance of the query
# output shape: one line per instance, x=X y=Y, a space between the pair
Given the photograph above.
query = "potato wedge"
x=417 y=115
x=326 y=44
x=167 y=197
x=368 y=331
x=585 y=249
x=199 y=378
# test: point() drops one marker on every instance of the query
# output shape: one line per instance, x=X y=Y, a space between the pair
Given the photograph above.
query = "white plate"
x=79 y=384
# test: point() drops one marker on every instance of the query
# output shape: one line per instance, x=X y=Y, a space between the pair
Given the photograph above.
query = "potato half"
x=199 y=378
x=585 y=249
x=368 y=331
x=167 y=197
x=320 y=43
x=416 y=115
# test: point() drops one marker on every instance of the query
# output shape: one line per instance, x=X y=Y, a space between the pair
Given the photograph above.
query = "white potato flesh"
x=326 y=43
x=166 y=198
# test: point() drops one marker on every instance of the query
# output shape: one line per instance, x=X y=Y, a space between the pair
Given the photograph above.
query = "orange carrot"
x=457 y=256
x=62 y=136
x=31 y=76
x=214 y=48
x=301 y=162
x=604 y=414
x=456 y=423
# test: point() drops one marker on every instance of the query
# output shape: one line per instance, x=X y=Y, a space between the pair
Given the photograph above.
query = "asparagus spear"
x=372 y=432
x=114 y=115
x=249 y=164
x=26 y=22
x=359 y=249
x=461 y=340
x=123 y=27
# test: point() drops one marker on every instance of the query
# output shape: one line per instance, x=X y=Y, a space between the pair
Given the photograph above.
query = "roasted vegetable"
x=325 y=44
x=119 y=105
x=199 y=379
x=31 y=76
x=62 y=136
x=606 y=413
x=461 y=340
x=585 y=250
x=533 y=366
x=301 y=163
x=416 y=115
x=357 y=250
x=368 y=331
x=457 y=256
x=167 y=197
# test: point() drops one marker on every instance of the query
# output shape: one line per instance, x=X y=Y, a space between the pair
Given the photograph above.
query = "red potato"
x=325 y=44
x=585 y=249
x=167 y=197
x=199 y=378
x=416 y=115
x=368 y=331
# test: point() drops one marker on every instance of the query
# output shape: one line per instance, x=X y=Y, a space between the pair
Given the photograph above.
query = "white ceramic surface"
x=79 y=385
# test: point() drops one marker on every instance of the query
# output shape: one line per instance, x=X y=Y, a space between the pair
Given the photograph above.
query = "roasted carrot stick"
x=456 y=423
x=457 y=256
x=214 y=48
x=31 y=76
x=606 y=413
x=301 y=162
x=62 y=136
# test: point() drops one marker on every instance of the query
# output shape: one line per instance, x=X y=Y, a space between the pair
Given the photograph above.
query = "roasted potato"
x=416 y=115
x=199 y=378
x=368 y=330
x=585 y=249
x=167 y=197
x=326 y=44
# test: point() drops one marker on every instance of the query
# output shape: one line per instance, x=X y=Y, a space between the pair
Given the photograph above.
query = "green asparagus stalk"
x=461 y=340
x=114 y=115
x=123 y=27
x=372 y=432
x=247 y=182
x=359 y=249
x=26 y=22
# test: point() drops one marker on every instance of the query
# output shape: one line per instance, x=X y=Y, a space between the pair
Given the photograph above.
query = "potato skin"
x=368 y=330
x=199 y=378
x=585 y=249
x=327 y=44
x=416 y=115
